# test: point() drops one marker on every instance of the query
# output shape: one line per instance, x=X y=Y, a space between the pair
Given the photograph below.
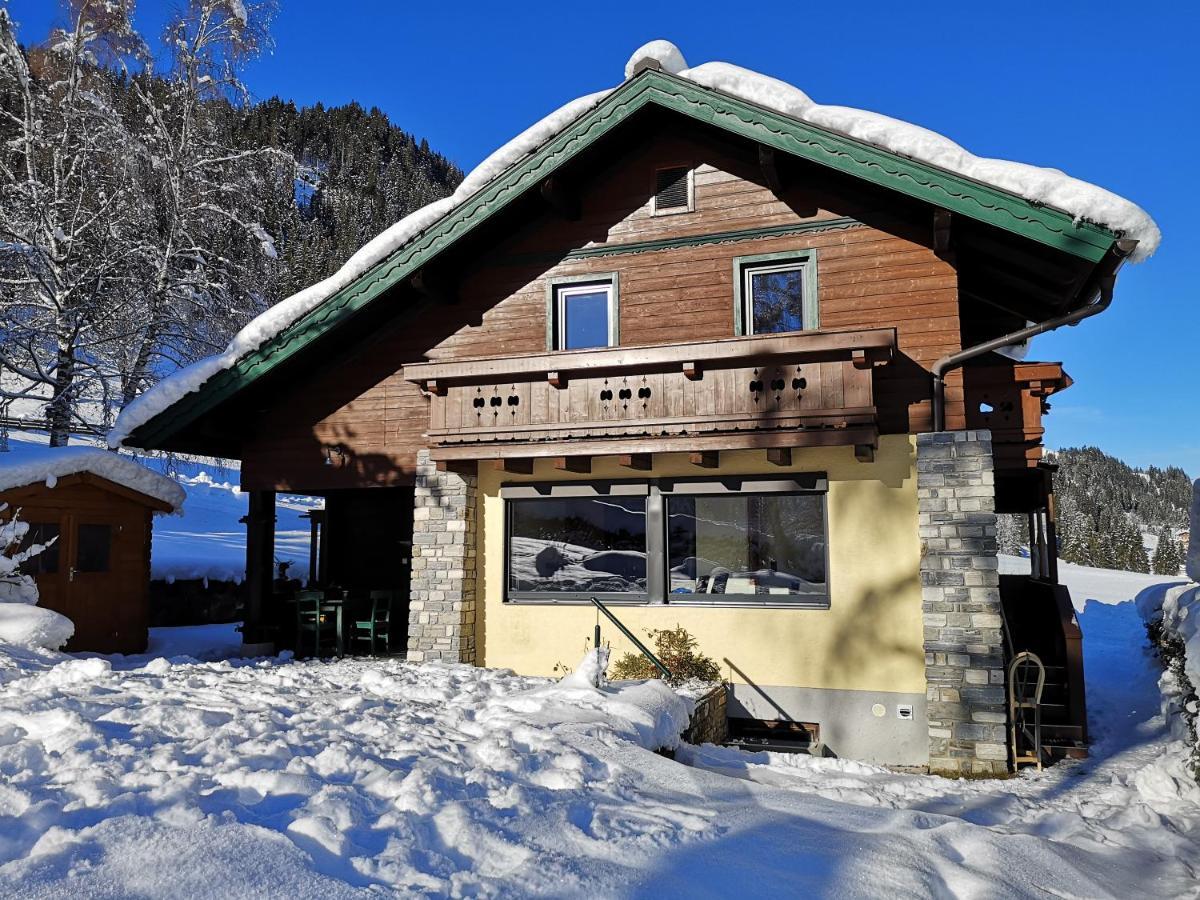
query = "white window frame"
x=565 y=290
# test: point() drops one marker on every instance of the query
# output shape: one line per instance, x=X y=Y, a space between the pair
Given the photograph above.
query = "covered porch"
x=359 y=569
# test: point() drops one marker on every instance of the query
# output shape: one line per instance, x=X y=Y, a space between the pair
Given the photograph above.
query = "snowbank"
x=48 y=464
x=353 y=778
x=33 y=626
x=1175 y=611
x=1042 y=185
x=22 y=622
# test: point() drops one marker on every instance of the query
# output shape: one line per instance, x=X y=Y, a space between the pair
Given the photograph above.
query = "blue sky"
x=1106 y=92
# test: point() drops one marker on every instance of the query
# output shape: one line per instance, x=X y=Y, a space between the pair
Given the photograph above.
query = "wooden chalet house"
x=716 y=364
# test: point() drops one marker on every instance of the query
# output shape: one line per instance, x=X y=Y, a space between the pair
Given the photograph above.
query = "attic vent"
x=672 y=189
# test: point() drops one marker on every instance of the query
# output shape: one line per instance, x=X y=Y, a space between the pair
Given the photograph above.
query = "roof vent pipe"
x=1104 y=279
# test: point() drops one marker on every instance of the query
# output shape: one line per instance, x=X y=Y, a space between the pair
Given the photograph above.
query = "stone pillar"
x=441 y=617
x=964 y=639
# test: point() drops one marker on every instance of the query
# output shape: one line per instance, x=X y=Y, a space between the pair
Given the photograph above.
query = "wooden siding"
x=110 y=609
x=876 y=271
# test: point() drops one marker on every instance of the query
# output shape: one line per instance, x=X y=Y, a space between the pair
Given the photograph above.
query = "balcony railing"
x=763 y=391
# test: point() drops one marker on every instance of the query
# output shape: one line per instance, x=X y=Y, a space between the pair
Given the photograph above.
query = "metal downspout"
x=1104 y=280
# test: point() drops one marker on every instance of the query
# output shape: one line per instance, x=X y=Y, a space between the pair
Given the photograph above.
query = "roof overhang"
x=1021 y=218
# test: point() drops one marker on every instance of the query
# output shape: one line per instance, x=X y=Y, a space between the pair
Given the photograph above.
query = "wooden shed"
x=98 y=509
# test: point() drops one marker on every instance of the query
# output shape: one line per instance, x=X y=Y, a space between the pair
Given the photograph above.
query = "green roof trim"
x=941 y=188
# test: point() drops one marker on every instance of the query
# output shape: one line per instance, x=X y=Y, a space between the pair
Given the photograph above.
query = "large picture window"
x=577 y=546
x=746 y=545
x=699 y=541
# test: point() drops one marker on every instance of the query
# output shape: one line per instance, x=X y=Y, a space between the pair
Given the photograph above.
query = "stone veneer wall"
x=441 y=617
x=709 y=723
x=964 y=639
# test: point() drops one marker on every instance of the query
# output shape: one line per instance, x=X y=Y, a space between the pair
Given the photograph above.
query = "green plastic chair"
x=315 y=630
x=377 y=627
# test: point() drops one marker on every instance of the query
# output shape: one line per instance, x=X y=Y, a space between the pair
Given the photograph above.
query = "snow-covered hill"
x=359 y=778
x=204 y=540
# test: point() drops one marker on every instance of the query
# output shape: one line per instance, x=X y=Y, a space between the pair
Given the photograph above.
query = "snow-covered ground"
x=143 y=776
x=205 y=539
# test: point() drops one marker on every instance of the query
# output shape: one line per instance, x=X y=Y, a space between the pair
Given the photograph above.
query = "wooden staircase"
x=1041 y=620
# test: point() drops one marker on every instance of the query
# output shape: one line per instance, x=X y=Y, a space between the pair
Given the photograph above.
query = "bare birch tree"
x=68 y=206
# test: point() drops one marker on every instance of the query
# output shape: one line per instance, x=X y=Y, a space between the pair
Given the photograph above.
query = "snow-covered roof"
x=1045 y=186
x=48 y=464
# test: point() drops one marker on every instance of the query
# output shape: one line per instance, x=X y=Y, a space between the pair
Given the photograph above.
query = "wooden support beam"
x=779 y=456
x=691 y=371
x=768 y=165
x=434 y=286
x=560 y=198
x=643 y=462
x=941 y=234
x=260 y=564
x=556 y=379
x=706 y=459
x=515 y=465
x=435 y=387
x=581 y=464
x=864 y=453
x=458 y=466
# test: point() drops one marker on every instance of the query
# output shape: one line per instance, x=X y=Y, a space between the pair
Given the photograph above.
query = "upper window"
x=672 y=190
x=775 y=293
x=584 y=314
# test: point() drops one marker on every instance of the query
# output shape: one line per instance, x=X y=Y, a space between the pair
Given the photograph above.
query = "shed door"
x=98 y=599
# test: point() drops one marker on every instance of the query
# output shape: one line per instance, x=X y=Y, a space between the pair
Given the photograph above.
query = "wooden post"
x=780 y=456
x=260 y=564
x=706 y=459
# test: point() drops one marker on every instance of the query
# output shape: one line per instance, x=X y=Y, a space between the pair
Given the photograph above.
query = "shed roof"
x=46 y=465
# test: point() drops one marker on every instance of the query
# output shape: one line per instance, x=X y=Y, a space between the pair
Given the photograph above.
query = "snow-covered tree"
x=69 y=206
x=207 y=255
x=1168 y=555
x=16 y=587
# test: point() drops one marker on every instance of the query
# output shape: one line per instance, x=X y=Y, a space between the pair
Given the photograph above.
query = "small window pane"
x=777 y=299
x=578 y=545
x=94 y=544
x=584 y=316
x=46 y=562
x=765 y=546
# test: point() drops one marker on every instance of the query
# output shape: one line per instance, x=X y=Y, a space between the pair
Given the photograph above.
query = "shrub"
x=678 y=651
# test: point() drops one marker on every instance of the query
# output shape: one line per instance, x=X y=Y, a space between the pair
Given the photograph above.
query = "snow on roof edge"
x=1050 y=187
x=48 y=464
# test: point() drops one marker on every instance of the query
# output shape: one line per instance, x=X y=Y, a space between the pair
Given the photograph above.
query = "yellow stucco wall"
x=869 y=639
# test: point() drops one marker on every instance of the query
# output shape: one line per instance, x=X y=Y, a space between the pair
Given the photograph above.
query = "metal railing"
x=658 y=663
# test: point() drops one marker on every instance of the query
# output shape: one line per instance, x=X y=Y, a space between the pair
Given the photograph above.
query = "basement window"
x=775 y=293
x=673 y=191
